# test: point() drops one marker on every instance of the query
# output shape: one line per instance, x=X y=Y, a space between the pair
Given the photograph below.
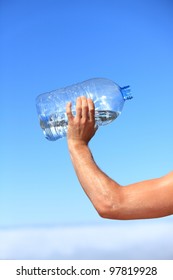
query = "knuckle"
x=84 y=121
x=78 y=107
x=68 y=113
x=76 y=121
x=92 y=110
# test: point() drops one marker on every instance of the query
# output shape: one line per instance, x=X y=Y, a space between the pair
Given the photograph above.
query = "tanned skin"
x=146 y=199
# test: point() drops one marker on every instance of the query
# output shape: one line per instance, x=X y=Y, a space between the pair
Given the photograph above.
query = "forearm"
x=103 y=192
x=146 y=199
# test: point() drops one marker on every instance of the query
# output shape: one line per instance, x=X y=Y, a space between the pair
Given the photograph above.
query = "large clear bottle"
x=107 y=96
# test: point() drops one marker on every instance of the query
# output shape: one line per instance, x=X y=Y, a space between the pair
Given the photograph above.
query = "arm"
x=146 y=199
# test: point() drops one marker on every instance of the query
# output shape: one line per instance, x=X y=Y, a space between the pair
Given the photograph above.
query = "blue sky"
x=50 y=44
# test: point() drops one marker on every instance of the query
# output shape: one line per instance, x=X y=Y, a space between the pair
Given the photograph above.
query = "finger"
x=91 y=108
x=84 y=107
x=78 y=108
x=69 y=112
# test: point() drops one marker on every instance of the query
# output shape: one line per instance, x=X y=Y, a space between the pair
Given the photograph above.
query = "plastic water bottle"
x=107 y=96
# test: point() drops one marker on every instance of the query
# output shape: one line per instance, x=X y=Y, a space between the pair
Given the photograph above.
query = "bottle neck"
x=126 y=92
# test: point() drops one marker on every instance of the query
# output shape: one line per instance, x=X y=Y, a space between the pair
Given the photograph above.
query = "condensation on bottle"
x=108 y=98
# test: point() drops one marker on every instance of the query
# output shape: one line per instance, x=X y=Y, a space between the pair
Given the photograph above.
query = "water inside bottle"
x=55 y=126
x=103 y=117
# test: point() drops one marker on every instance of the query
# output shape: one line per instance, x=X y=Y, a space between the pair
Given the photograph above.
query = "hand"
x=81 y=128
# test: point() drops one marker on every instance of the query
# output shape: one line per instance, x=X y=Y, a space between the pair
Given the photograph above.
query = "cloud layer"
x=119 y=241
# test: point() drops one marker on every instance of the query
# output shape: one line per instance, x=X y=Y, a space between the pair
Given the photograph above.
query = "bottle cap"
x=126 y=92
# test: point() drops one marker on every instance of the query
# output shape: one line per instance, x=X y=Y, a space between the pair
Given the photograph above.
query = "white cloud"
x=135 y=240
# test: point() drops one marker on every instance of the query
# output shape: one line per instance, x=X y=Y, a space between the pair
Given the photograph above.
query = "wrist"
x=79 y=152
x=76 y=145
